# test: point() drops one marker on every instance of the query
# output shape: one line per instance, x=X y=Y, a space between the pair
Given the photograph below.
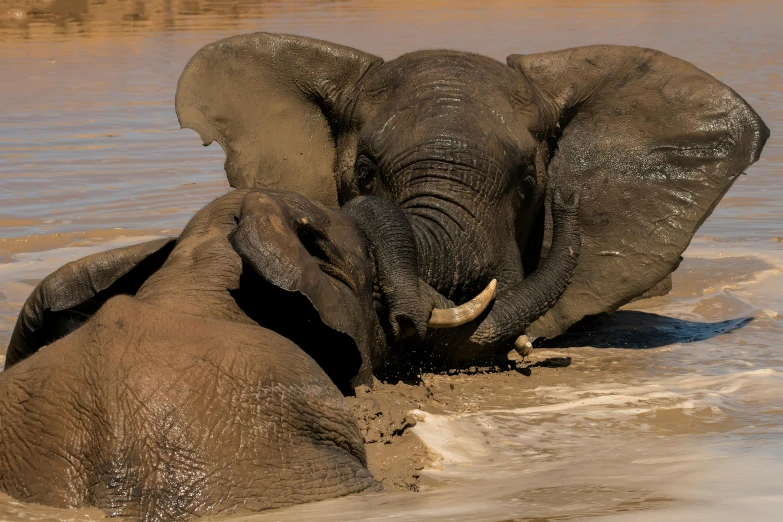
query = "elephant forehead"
x=428 y=94
x=462 y=76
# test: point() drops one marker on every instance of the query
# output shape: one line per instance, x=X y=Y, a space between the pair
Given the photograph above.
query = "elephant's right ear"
x=652 y=144
x=274 y=103
x=69 y=296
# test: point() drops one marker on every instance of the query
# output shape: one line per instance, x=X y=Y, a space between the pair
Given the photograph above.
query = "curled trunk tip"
x=464 y=313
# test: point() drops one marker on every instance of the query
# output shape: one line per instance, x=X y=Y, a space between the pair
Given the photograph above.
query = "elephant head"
x=199 y=375
x=474 y=152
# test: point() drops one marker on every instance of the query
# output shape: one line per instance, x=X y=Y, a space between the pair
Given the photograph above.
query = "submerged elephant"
x=473 y=150
x=203 y=374
x=199 y=375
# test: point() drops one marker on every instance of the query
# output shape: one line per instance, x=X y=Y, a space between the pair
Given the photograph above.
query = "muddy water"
x=674 y=410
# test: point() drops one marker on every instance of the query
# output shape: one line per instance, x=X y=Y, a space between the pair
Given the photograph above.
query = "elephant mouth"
x=293 y=315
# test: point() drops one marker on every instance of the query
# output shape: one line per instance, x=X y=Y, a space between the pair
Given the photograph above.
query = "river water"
x=674 y=411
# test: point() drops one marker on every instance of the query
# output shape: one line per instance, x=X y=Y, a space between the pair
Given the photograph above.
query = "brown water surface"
x=673 y=411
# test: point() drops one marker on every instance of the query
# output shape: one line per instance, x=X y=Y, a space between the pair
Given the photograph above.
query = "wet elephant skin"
x=180 y=394
x=474 y=151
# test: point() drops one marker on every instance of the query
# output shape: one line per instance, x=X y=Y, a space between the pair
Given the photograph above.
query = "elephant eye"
x=365 y=173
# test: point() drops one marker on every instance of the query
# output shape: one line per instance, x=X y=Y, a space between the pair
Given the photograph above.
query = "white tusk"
x=464 y=313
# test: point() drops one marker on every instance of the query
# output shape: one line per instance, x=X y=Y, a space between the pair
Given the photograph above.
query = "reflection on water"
x=91 y=155
x=57 y=19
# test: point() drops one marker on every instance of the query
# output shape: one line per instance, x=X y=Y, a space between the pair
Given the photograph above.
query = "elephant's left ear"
x=274 y=102
x=652 y=143
x=69 y=296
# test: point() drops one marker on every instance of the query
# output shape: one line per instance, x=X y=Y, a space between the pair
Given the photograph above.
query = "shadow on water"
x=639 y=330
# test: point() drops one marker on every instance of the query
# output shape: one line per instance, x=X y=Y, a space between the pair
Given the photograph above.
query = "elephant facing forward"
x=472 y=152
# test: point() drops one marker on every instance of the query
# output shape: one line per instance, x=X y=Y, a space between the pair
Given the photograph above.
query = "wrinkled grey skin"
x=473 y=151
x=172 y=379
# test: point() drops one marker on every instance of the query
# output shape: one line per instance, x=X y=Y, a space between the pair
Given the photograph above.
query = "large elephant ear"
x=652 y=143
x=274 y=103
x=69 y=296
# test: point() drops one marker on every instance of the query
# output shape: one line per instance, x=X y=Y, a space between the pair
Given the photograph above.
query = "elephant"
x=203 y=374
x=198 y=375
x=474 y=153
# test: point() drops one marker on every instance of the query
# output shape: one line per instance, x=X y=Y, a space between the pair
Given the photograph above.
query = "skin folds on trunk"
x=391 y=239
x=459 y=257
x=409 y=302
x=518 y=306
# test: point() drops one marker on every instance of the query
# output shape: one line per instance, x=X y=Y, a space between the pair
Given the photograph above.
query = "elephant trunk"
x=391 y=241
x=410 y=303
x=523 y=303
